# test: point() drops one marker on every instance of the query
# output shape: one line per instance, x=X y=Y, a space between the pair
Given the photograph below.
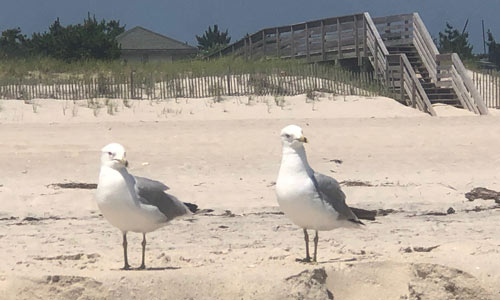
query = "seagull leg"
x=126 y=266
x=316 y=239
x=143 y=265
x=306 y=238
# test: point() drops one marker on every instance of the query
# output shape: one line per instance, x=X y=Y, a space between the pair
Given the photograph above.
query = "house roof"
x=139 y=38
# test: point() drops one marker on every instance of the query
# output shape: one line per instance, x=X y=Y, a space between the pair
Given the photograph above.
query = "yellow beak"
x=123 y=161
x=302 y=139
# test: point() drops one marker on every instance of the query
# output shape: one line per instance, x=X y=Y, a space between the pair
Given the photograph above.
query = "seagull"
x=311 y=200
x=133 y=203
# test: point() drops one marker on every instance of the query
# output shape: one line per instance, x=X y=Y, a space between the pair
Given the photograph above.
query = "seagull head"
x=113 y=156
x=292 y=136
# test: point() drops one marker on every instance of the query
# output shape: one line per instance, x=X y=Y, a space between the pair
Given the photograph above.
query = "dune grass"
x=47 y=69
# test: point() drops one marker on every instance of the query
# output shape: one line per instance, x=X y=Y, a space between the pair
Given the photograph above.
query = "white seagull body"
x=311 y=200
x=120 y=204
x=133 y=203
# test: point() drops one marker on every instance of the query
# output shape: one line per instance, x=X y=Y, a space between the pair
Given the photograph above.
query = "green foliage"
x=91 y=40
x=12 y=43
x=452 y=41
x=493 y=50
x=49 y=69
x=213 y=39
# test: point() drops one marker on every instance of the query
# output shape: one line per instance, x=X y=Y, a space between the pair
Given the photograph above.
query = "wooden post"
x=162 y=92
x=497 y=100
x=229 y=82
x=323 y=53
x=402 y=79
x=356 y=39
x=387 y=79
x=277 y=42
x=407 y=35
x=339 y=38
x=132 y=92
x=375 y=60
x=488 y=87
x=365 y=38
x=307 y=42
x=413 y=92
x=484 y=86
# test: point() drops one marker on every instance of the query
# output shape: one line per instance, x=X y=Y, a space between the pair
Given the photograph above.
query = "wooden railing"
x=407 y=30
x=446 y=70
x=403 y=76
x=353 y=36
x=395 y=30
x=425 y=46
x=379 y=52
x=452 y=73
x=326 y=39
x=396 y=68
x=359 y=36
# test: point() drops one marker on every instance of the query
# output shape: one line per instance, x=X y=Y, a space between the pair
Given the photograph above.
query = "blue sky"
x=183 y=19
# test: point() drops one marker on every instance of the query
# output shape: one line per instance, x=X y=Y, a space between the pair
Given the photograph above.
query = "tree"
x=213 y=39
x=90 y=40
x=12 y=43
x=493 y=50
x=452 y=41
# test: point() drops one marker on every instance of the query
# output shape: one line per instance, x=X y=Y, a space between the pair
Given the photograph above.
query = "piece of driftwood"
x=355 y=183
x=73 y=185
x=483 y=193
x=418 y=249
x=479 y=209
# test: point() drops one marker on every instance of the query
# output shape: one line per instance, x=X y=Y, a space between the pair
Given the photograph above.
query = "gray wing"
x=147 y=183
x=330 y=192
x=152 y=192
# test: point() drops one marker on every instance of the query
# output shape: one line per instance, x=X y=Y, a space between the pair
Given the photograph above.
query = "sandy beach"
x=427 y=242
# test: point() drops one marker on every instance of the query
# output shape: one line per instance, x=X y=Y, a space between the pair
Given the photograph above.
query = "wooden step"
x=439 y=91
x=444 y=97
x=408 y=48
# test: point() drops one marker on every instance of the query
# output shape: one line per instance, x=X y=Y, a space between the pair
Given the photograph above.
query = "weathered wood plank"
x=339 y=39
x=391 y=19
x=457 y=63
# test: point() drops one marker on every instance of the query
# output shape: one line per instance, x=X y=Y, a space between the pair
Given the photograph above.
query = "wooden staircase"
x=435 y=93
x=399 y=48
x=443 y=77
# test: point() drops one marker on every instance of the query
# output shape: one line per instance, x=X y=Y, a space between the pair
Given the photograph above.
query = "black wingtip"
x=357 y=222
x=192 y=207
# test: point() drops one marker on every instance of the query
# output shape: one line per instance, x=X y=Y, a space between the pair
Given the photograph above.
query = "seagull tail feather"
x=191 y=206
x=356 y=221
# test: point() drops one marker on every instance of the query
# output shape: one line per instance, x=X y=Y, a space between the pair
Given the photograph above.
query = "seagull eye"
x=110 y=154
x=287 y=136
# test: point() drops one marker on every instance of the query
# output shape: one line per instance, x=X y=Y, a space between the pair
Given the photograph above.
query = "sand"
x=224 y=156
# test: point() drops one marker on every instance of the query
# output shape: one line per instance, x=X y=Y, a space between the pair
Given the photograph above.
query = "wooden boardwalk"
x=398 y=48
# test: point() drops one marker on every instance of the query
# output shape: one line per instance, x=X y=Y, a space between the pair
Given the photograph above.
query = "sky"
x=184 y=19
